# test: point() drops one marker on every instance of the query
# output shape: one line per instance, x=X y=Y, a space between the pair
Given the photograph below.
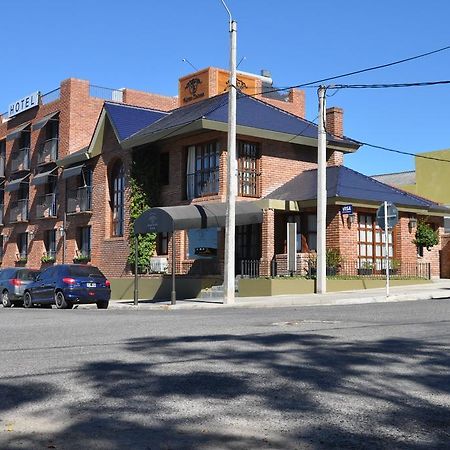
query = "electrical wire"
x=388 y=85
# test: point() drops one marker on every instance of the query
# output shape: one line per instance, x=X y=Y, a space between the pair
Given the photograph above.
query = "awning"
x=72 y=171
x=202 y=215
x=42 y=122
x=17 y=132
x=14 y=185
x=74 y=158
x=42 y=178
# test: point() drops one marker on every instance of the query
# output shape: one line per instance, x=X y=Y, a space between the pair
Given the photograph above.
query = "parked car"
x=13 y=282
x=68 y=284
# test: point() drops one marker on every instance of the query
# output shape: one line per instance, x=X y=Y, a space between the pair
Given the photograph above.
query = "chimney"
x=335 y=121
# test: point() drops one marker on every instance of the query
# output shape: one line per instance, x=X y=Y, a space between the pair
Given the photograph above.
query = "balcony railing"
x=116 y=95
x=48 y=152
x=46 y=206
x=79 y=200
x=20 y=160
x=19 y=211
x=248 y=184
x=201 y=184
x=51 y=96
x=2 y=209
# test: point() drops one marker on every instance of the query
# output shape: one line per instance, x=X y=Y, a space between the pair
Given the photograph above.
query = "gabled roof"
x=127 y=120
x=253 y=118
x=349 y=185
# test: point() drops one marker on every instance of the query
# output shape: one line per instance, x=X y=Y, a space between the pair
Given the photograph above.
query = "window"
x=371 y=243
x=84 y=242
x=50 y=243
x=202 y=243
x=2 y=157
x=162 y=244
x=202 y=173
x=164 y=168
x=311 y=231
x=248 y=169
x=117 y=191
x=22 y=245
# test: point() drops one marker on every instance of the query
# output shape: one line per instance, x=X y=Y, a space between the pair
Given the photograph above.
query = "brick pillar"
x=335 y=126
x=267 y=241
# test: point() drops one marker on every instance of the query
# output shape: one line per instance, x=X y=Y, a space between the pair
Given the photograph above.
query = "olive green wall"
x=259 y=287
x=159 y=288
x=432 y=177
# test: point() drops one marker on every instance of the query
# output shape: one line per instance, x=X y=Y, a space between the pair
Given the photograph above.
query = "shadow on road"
x=280 y=390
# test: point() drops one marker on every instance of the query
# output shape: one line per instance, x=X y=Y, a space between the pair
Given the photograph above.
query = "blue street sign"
x=347 y=209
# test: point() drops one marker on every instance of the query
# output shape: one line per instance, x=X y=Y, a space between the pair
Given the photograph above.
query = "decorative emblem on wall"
x=192 y=85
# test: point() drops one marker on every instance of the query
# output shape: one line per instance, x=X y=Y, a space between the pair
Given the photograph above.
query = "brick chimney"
x=335 y=126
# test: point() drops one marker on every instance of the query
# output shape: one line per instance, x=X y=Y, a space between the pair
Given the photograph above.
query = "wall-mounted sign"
x=28 y=102
x=347 y=209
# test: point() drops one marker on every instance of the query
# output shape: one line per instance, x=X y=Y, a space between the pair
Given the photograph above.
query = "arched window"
x=117 y=191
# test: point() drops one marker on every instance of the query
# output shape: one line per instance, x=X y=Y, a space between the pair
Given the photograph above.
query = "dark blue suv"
x=68 y=284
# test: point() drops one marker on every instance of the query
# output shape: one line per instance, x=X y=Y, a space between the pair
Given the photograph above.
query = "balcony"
x=46 y=206
x=48 y=152
x=79 y=200
x=19 y=211
x=20 y=160
x=248 y=184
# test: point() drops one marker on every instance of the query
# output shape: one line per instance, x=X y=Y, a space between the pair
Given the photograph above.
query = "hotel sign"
x=28 y=102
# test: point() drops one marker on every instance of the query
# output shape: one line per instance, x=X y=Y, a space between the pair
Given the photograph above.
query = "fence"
x=306 y=266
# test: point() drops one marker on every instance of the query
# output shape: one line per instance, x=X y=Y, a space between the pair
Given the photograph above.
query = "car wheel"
x=103 y=305
x=27 y=300
x=61 y=302
x=6 y=302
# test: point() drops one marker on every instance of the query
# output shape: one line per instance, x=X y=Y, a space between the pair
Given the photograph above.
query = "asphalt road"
x=362 y=376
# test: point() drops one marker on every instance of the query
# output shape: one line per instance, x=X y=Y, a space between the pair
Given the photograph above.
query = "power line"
x=368 y=69
x=388 y=85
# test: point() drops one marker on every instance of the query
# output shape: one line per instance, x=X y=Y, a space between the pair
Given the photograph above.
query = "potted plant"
x=21 y=259
x=48 y=258
x=366 y=268
x=333 y=260
x=81 y=258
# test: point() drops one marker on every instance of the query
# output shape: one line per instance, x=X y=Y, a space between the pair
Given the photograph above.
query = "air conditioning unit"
x=158 y=264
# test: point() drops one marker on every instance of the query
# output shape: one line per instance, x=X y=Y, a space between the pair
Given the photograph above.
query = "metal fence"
x=115 y=95
x=51 y=96
x=307 y=267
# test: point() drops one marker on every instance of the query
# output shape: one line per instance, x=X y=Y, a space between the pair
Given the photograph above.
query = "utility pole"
x=321 y=280
x=229 y=269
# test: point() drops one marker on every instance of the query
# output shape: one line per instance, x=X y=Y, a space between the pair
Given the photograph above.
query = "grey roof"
x=199 y=215
x=345 y=183
x=398 y=178
x=252 y=114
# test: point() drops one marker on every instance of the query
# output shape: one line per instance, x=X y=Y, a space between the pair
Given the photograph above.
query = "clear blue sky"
x=140 y=44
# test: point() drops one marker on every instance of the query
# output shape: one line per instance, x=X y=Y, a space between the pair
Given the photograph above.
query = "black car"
x=13 y=282
x=68 y=284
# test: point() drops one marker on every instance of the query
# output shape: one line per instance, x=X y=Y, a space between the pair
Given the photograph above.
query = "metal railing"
x=48 y=151
x=46 y=206
x=20 y=160
x=19 y=211
x=79 y=200
x=115 y=95
x=201 y=184
x=348 y=269
x=51 y=96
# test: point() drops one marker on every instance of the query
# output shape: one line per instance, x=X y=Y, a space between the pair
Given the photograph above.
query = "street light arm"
x=229 y=13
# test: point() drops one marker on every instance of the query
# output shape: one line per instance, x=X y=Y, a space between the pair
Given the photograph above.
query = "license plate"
x=91 y=285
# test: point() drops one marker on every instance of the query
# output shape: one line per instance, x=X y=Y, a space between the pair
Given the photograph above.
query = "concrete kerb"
x=439 y=289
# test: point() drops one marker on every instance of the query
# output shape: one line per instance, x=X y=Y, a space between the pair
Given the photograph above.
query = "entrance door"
x=248 y=244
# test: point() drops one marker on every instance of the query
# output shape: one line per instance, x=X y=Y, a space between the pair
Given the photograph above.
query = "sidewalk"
x=438 y=289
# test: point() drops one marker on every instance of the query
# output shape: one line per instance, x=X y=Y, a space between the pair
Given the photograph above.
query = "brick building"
x=47 y=213
x=73 y=203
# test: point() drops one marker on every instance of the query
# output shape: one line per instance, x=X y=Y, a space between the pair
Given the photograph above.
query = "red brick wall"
x=445 y=256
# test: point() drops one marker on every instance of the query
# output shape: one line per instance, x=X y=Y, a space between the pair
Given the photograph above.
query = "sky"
x=140 y=44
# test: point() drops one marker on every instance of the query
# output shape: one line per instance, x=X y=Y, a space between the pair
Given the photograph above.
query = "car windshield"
x=84 y=271
x=28 y=275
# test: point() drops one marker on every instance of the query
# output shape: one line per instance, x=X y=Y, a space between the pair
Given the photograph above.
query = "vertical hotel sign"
x=28 y=102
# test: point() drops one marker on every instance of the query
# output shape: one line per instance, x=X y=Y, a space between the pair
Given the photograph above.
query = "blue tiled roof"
x=346 y=183
x=128 y=120
x=250 y=112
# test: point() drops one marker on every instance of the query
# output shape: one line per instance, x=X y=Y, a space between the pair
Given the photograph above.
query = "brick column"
x=267 y=241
